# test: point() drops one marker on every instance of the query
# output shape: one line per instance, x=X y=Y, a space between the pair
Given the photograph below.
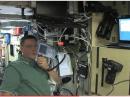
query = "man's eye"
x=30 y=46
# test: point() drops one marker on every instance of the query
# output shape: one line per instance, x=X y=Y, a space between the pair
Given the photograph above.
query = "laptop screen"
x=124 y=29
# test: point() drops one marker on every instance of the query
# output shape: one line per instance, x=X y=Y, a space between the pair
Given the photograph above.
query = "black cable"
x=115 y=85
x=83 y=86
x=50 y=69
x=73 y=75
x=121 y=82
x=77 y=85
x=58 y=68
x=77 y=91
x=64 y=89
x=50 y=62
x=111 y=90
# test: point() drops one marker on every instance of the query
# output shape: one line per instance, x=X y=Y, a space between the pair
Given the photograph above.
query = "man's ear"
x=21 y=48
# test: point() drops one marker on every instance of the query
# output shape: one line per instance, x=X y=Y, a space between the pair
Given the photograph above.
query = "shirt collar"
x=27 y=60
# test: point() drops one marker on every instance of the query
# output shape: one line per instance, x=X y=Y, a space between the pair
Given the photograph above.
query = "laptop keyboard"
x=119 y=45
x=124 y=45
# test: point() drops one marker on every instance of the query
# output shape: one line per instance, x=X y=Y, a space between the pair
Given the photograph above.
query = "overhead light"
x=12 y=10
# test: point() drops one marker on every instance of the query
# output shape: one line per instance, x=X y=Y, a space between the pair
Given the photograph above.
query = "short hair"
x=27 y=37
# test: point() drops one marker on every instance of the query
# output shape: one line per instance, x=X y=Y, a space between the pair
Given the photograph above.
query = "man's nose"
x=34 y=48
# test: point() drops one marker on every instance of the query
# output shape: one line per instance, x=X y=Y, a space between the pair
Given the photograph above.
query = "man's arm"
x=53 y=74
x=42 y=62
x=10 y=82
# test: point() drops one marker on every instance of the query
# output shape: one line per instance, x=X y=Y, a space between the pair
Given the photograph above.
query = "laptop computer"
x=123 y=33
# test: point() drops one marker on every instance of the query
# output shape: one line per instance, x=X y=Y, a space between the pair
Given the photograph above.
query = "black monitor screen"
x=56 y=9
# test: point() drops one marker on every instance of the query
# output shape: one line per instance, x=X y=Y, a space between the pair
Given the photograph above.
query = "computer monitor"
x=124 y=29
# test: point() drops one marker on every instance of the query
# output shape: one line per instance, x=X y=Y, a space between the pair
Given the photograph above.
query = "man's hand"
x=53 y=74
x=42 y=62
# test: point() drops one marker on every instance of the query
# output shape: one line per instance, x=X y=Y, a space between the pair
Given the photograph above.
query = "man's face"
x=29 y=48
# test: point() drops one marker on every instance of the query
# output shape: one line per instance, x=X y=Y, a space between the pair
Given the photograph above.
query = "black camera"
x=113 y=67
